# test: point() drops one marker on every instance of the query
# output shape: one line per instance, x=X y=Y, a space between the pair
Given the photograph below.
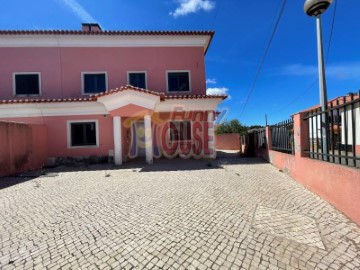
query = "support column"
x=117 y=140
x=148 y=139
x=211 y=134
x=301 y=135
x=268 y=137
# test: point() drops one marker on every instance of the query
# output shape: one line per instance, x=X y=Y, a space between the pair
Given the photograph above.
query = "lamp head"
x=315 y=8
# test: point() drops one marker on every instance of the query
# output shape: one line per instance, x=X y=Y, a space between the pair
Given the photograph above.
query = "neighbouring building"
x=118 y=94
x=343 y=123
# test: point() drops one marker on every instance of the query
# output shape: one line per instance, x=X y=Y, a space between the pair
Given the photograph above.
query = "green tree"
x=233 y=126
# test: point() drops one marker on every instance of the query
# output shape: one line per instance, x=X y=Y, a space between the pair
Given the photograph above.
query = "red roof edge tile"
x=108 y=33
x=196 y=97
x=95 y=97
x=54 y=100
x=125 y=88
x=335 y=101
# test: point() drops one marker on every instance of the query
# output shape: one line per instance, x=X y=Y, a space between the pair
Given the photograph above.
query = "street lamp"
x=315 y=8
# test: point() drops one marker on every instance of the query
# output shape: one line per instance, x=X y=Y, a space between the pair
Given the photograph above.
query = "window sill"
x=89 y=94
x=178 y=92
x=83 y=146
x=32 y=95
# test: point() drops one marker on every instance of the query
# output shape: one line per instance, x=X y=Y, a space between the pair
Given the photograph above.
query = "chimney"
x=91 y=27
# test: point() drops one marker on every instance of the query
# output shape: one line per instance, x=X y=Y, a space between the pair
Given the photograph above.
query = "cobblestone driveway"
x=245 y=215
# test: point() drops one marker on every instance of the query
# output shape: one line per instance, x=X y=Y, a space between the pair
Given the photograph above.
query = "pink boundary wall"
x=337 y=184
x=227 y=141
x=23 y=147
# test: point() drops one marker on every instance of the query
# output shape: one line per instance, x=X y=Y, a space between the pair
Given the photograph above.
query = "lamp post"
x=315 y=8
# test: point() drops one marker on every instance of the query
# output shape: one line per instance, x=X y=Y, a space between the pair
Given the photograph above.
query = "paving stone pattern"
x=285 y=224
x=243 y=214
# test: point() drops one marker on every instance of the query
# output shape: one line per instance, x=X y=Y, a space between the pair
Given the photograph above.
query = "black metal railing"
x=282 y=137
x=342 y=127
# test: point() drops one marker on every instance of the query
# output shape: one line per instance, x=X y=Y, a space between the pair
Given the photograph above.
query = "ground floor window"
x=83 y=133
x=180 y=131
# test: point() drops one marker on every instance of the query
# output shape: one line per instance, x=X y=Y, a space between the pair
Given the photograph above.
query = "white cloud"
x=192 y=6
x=211 y=81
x=218 y=91
x=337 y=71
x=298 y=70
x=78 y=10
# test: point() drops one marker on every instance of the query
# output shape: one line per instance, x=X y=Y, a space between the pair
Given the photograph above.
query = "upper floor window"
x=27 y=83
x=94 y=82
x=178 y=81
x=137 y=79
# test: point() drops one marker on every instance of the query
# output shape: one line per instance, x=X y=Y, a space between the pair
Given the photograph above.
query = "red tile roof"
x=124 y=88
x=54 y=100
x=111 y=33
x=94 y=98
x=335 y=101
x=107 y=33
x=196 y=97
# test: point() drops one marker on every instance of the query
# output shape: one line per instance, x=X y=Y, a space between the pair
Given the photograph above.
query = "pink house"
x=118 y=94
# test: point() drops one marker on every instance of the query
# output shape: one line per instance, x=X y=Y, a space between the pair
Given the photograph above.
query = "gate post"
x=268 y=137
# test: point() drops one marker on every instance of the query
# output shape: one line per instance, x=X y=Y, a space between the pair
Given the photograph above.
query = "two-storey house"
x=123 y=94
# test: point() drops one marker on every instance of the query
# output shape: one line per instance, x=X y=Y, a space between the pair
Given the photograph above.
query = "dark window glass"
x=178 y=81
x=180 y=131
x=27 y=84
x=83 y=134
x=94 y=83
x=137 y=80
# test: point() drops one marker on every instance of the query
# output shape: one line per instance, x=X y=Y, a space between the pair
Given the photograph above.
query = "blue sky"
x=242 y=31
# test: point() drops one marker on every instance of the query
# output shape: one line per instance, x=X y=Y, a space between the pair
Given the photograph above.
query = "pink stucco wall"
x=339 y=185
x=61 y=67
x=57 y=132
x=22 y=147
x=57 y=135
x=227 y=141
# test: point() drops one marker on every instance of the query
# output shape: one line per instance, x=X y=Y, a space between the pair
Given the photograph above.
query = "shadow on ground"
x=159 y=165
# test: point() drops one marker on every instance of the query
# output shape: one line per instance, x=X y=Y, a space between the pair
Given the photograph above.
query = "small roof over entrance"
x=129 y=101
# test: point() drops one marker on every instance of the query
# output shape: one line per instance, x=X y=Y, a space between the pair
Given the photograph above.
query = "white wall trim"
x=103 y=41
x=137 y=72
x=167 y=82
x=26 y=73
x=123 y=98
x=68 y=124
x=92 y=72
x=111 y=102
x=51 y=109
x=188 y=105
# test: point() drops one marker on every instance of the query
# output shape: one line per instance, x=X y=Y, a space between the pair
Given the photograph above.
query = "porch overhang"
x=129 y=101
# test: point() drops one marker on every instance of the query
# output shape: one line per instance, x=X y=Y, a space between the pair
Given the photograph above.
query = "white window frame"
x=26 y=73
x=176 y=71
x=137 y=72
x=92 y=72
x=68 y=124
x=191 y=131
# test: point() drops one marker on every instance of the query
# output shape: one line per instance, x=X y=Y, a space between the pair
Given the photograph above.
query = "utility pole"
x=315 y=8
